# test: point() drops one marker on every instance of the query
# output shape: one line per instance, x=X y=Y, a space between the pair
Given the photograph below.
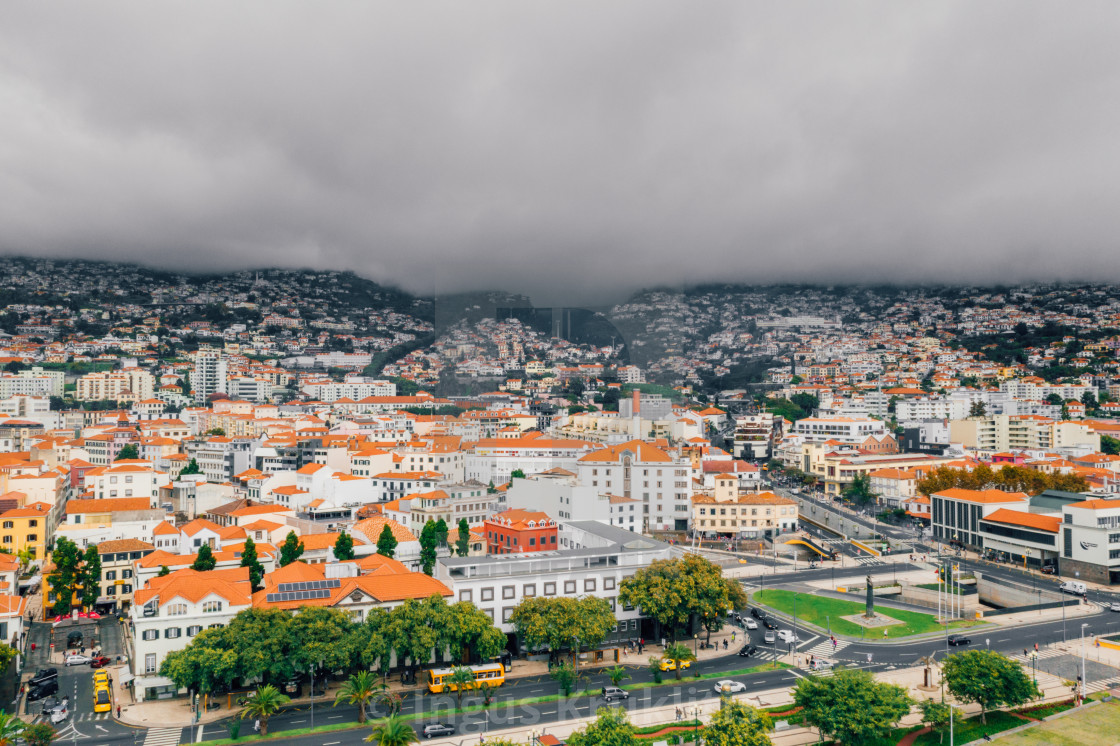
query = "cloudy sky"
x=572 y=150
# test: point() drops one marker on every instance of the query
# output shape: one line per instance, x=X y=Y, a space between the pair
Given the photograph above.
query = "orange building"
x=517 y=531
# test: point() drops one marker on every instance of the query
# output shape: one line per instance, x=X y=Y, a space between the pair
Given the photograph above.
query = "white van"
x=1073 y=586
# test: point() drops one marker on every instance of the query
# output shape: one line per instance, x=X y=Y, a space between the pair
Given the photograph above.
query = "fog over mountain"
x=573 y=151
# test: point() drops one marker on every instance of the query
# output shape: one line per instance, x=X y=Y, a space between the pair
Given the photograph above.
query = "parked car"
x=955 y=640
x=611 y=693
x=44 y=690
x=787 y=636
x=769 y=638
x=1047 y=569
x=1114 y=607
x=748 y=650
x=730 y=686
x=750 y=624
x=77 y=660
x=820 y=664
x=42 y=675
x=438 y=729
x=100 y=661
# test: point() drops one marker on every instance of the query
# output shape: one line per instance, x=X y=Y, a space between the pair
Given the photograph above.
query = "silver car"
x=769 y=638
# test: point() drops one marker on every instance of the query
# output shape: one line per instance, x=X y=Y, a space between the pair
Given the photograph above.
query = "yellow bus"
x=488 y=674
x=102 y=699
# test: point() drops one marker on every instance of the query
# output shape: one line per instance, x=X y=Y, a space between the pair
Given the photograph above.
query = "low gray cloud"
x=575 y=151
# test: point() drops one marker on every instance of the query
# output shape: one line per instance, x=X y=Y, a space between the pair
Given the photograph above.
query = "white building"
x=644 y=472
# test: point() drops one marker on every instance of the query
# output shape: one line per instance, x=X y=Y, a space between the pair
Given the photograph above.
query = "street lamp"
x=1081 y=696
x=695 y=644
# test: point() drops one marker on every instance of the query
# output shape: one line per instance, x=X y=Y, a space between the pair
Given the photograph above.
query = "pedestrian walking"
x=118 y=712
x=257 y=725
x=869 y=657
x=1036 y=647
x=732 y=636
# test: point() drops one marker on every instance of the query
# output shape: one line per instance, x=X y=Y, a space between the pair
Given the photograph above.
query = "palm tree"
x=461 y=678
x=263 y=704
x=393 y=731
x=10 y=728
x=358 y=690
x=679 y=653
x=617 y=674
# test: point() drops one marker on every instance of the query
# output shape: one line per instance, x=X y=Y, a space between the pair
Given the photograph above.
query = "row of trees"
x=272 y=646
x=432 y=537
x=1008 y=478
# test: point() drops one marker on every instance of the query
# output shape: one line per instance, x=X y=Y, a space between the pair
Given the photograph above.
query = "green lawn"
x=954 y=589
x=1097 y=725
x=972 y=730
x=825 y=612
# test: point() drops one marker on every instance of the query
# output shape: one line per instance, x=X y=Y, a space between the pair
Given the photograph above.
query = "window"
x=111 y=590
x=211 y=606
x=110 y=574
x=465 y=595
x=126 y=588
x=7 y=539
x=176 y=609
x=507 y=612
x=150 y=663
x=32 y=537
x=589 y=584
x=529 y=590
x=33 y=523
x=9 y=524
x=569 y=586
x=508 y=592
x=172 y=633
x=193 y=630
x=550 y=589
x=487 y=594
x=126 y=574
x=150 y=634
x=608 y=584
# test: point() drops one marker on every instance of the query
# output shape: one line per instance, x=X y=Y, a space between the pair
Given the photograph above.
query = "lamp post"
x=695 y=644
x=1081 y=688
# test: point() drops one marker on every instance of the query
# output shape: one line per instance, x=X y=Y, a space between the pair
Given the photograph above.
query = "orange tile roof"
x=191 y=585
x=1096 y=504
x=1049 y=523
x=643 y=453
x=123 y=545
x=981 y=496
x=164 y=529
x=107 y=505
x=371 y=528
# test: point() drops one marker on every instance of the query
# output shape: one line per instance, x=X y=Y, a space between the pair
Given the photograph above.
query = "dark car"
x=43 y=690
x=100 y=662
x=756 y=613
x=768 y=624
x=43 y=674
x=438 y=729
x=955 y=640
x=748 y=650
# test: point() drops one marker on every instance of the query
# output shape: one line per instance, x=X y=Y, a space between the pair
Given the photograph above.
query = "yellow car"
x=668 y=664
x=100 y=678
x=102 y=699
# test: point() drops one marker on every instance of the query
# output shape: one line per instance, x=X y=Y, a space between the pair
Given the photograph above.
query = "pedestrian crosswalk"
x=1042 y=654
x=81 y=717
x=869 y=561
x=825 y=648
x=163 y=737
x=1099 y=686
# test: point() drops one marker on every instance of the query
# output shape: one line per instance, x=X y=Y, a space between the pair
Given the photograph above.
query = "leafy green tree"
x=851 y=707
x=1110 y=445
x=205 y=560
x=673 y=591
x=469 y=630
x=191 y=468
x=516 y=474
x=129 y=452
x=463 y=539
x=428 y=542
x=737 y=724
x=559 y=621
x=392 y=731
x=344 y=547
x=386 y=542
x=441 y=532
x=164 y=571
x=39 y=734
x=7 y=652
x=462 y=678
x=370 y=641
x=610 y=728
x=263 y=642
x=208 y=663
x=679 y=654
x=262 y=704
x=249 y=559
x=66 y=576
x=10 y=728
x=291 y=550
x=1089 y=399
x=977 y=409
x=936 y=714
x=859 y=489
x=323 y=638
x=989 y=679
x=216 y=431
x=616 y=674
x=566 y=676
x=91 y=576
x=358 y=690
x=654 y=665
x=415 y=627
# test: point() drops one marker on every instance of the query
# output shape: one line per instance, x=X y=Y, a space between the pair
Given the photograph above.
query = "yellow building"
x=25 y=528
x=728 y=514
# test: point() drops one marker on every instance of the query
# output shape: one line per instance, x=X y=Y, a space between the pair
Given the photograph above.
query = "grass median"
x=829 y=613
